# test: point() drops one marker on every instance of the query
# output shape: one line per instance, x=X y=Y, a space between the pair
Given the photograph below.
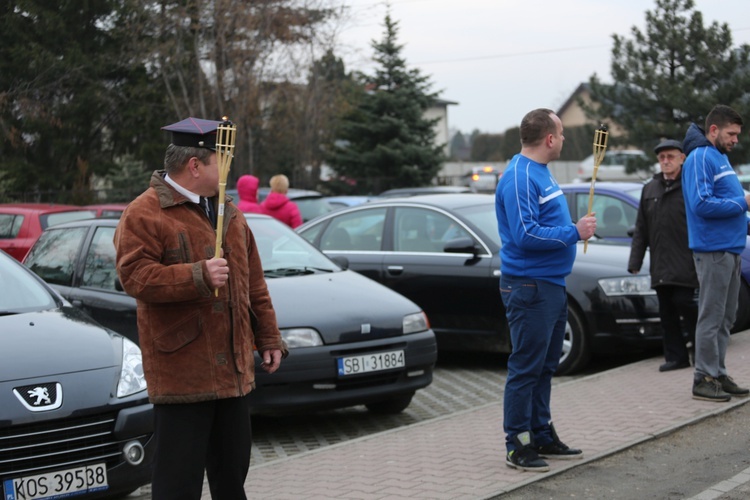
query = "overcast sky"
x=499 y=59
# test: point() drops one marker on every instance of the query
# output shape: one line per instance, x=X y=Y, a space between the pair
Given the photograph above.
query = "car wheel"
x=576 y=353
x=742 y=322
x=391 y=406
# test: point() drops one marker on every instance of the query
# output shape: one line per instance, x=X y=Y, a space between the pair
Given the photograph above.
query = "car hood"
x=54 y=342
x=339 y=305
x=610 y=258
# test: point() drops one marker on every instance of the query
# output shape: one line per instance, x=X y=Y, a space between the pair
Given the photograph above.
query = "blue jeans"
x=537 y=311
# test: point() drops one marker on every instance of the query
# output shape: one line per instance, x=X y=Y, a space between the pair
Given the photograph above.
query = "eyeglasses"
x=667 y=156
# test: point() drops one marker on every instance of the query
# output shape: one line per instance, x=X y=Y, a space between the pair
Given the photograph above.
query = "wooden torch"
x=225 y=137
x=600 y=147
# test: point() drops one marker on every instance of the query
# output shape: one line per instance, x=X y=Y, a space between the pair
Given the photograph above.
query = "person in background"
x=717 y=227
x=661 y=226
x=539 y=247
x=278 y=205
x=194 y=319
x=247 y=189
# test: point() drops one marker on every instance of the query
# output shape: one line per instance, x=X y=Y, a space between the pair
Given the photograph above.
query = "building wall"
x=452 y=173
x=441 y=127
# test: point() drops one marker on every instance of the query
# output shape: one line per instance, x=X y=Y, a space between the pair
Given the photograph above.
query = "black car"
x=442 y=252
x=351 y=340
x=616 y=206
x=74 y=413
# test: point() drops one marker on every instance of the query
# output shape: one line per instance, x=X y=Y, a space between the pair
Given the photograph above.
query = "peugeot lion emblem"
x=40 y=397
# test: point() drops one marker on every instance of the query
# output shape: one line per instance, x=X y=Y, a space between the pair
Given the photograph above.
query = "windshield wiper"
x=295 y=271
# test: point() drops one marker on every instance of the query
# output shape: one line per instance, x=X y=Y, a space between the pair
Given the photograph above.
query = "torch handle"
x=226 y=134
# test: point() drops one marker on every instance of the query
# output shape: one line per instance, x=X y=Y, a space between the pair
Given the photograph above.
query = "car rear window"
x=10 y=225
x=55 y=218
x=53 y=256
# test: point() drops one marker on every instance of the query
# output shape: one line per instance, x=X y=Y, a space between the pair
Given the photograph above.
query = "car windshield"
x=483 y=216
x=20 y=291
x=285 y=253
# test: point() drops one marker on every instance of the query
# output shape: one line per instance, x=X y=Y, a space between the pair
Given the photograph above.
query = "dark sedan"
x=74 y=413
x=616 y=206
x=351 y=340
x=442 y=251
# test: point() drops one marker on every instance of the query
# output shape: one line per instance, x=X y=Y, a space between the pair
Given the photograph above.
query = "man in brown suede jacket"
x=197 y=346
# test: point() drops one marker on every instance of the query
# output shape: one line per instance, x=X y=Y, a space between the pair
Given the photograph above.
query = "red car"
x=22 y=223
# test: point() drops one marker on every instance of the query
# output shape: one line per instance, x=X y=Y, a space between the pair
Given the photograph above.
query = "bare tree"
x=228 y=58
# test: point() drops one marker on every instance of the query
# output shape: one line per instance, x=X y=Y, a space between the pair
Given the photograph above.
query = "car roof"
x=447 y=200
x=413 y=191
x=293 y=193
x=613 y=185
x=28 y=208
x=99 y=221
x=112 y=206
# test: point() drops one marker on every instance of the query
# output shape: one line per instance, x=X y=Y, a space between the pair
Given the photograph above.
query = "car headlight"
x=132 y=379
x=301 y=337
x=627 y=285
x=416 y=322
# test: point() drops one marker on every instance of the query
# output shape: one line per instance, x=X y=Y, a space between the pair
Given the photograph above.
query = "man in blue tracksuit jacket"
x=716 y=209
x=539 y=247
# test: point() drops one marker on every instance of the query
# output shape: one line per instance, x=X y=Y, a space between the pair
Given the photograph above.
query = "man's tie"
x=206 y=204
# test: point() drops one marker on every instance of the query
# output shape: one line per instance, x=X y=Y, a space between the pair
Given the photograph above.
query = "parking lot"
x=461 y=382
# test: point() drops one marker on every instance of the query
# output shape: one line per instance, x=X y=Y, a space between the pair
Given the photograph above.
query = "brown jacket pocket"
x=179 y=335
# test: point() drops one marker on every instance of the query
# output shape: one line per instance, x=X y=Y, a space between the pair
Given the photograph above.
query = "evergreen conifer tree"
x=385 y=141
x=670 y=75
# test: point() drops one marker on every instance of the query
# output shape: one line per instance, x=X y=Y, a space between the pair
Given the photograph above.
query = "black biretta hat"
x=194 y=133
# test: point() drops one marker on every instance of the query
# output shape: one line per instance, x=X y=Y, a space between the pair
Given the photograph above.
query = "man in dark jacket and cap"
x=662 y=226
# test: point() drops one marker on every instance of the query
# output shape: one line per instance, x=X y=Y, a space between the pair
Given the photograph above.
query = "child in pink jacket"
x=278 y=205
x=247 y=189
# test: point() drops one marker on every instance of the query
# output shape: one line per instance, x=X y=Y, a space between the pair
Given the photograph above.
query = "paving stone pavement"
x=461 y=456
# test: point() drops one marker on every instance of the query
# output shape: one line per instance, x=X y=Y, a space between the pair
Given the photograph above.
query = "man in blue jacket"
x=717 y=226
x=539 y=247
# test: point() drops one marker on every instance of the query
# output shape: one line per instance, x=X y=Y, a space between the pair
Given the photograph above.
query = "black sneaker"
x=524 y=457
x=730 y=387
x=558 y=449
x=709 y=389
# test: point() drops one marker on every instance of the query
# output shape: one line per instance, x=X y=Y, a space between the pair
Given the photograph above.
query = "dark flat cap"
x=668 y=144
x=194 y=133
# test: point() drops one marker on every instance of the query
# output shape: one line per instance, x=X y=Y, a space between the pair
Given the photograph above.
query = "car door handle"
x=395 y=270
x=77 y=303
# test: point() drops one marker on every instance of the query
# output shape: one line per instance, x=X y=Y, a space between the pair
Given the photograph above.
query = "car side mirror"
x=341 y=261
x=118 y=285
x=461 y=245
x=631 y=231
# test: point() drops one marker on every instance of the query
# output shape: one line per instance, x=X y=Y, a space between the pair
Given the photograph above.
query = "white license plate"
x=376 y=362
x=58 y=484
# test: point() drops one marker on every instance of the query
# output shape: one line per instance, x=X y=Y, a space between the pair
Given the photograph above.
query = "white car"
x=482 y=179
x=613 y=167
